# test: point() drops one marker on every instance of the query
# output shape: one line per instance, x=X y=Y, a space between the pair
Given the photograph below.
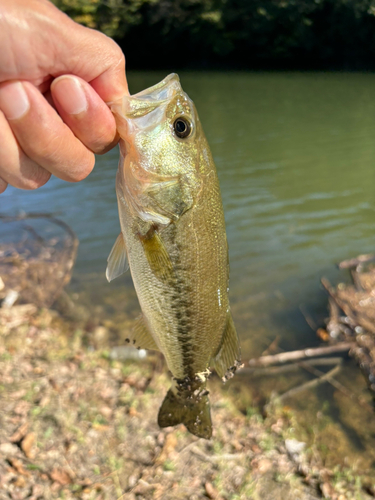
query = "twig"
x=291 y=367
x=364 y=320
x=329 y=378
x=272 y=346
x=361 y=259
x=285 y=357
x=207 y=458
x=309 y=320
x=311 y=383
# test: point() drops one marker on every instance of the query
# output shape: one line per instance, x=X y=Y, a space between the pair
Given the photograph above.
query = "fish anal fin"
x=228 y=357
x=140 y=336
x=117 y=259
x=157 y=255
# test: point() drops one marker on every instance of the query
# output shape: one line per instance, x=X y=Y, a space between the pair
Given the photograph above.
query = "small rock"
x=124 y=352
x=106 y=411
x=264 y=465
x=100 y=336
x=10 y=299
x=8 y=449
x=132 y=481
x=294 y=447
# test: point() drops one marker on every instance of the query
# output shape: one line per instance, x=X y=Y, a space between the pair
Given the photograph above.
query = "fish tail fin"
x=194 y=415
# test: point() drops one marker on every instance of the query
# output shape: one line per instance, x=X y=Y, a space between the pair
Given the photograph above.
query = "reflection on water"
x=296 y=160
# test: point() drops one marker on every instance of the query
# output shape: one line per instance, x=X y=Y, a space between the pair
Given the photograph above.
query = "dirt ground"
x=76 y=423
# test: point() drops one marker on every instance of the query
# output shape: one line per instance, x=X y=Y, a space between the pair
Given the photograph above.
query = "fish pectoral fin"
x=117 y=259
x=228 y=357
x=140 y=337
x=157 y=255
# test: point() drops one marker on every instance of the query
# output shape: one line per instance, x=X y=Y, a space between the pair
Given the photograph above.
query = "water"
x=295 y=155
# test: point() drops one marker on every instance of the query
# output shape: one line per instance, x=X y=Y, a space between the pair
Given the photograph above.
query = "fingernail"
x=70 y=95
x=14 y=102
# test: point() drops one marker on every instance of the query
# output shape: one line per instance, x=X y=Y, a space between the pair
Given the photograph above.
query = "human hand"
x=55 y=78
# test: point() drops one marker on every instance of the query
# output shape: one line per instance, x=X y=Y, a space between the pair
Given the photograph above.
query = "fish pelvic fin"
x=228 y=357
x=193 y=411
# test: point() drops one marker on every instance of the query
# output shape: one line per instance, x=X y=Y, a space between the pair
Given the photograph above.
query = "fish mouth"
x=161 y=91
x=146 y=101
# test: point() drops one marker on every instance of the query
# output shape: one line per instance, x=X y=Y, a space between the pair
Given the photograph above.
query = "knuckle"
x=101 y=143
x=115 y=50
x=34 y=178
x=77 y=174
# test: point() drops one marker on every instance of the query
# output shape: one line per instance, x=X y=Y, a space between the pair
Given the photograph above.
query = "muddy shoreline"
x=76 y=423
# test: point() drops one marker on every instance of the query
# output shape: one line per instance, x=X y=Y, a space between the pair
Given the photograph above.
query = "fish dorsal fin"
x=157 y=255
x=140 y=337
x=227 y=358
x=117 y=259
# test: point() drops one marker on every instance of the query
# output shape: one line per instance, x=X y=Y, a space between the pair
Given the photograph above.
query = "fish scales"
x=173 y=235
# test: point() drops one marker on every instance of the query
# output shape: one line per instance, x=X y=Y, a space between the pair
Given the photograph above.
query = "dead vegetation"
x=79 y=421
x=76 y=424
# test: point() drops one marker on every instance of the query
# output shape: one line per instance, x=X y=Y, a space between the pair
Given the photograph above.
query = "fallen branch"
x=291 y=367
x=361 y=259
x=356 y=317
x=285 y=357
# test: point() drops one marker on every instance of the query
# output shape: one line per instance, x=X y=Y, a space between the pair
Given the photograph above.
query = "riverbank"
x=76 y=423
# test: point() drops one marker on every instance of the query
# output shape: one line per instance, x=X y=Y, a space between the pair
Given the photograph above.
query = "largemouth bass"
x=173 y=237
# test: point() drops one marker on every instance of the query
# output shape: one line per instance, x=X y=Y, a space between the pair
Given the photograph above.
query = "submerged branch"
x=325 y=377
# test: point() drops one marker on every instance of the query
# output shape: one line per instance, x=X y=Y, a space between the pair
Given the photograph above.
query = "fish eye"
x=182 y=127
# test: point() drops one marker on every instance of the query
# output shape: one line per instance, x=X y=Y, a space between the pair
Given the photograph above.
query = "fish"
x=173 y=239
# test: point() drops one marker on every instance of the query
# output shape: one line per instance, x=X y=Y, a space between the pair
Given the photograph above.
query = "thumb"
x=101 y=63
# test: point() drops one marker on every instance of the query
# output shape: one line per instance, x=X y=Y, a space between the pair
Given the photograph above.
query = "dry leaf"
x=170 y=444
x=19 y=434
x=18 y=466
x=60 y=476
x=22 y=408
x=20 y=482
x=133 y=412
x=27 y=444
x=210 y=490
